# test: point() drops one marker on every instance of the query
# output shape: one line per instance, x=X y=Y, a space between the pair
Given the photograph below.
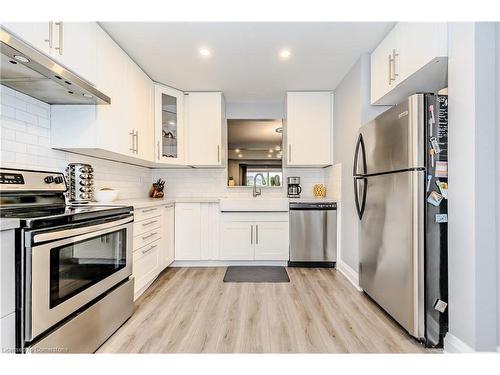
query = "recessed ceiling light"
x=87 y=95
x=285 y=54
x=240 y=155
x=279 y=156
x=269 y=156
x=271 y=150
x=21 y=58
x=277 y=148
x=237 y=150
x=204 y=52
x=171 y=123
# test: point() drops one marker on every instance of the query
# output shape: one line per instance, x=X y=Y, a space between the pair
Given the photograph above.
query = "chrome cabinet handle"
x=159 y=155
x=394 y=55
x=251 y=235
x=136 y=141
x=132 y=133
x=218 y=153
x=148 y=250
x=61 y=36
x=149 y=223
x=257 y=234
x=390 y=70
x=50 y=40
x=148 y=210
x=149 y=235
x=289 y=152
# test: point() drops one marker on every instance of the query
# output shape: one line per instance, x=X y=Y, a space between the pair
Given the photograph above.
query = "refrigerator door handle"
x=360 y=144
x=360 y=207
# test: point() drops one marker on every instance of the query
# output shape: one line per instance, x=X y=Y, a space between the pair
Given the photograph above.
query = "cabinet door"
x=204 y=128
x=309 y=129
x=140 y=96
x=169 y=125
x=237 y=241
x=35 y=33
x=271 y=241
x=419 y=43
x=113 y=120
x=75 y=46
x=187 y=231
x=382 y=74
x=168 y=233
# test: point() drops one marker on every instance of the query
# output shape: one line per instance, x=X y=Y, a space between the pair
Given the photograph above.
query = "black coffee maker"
x=294 y=188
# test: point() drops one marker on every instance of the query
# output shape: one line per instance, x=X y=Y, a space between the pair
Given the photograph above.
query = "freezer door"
x=391 y=246
x=394 y=141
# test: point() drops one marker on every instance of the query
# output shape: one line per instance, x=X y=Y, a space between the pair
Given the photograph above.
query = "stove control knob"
x=48 y=179
x=58 y=180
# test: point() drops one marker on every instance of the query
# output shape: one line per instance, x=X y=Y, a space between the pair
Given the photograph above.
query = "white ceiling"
x=244 y=61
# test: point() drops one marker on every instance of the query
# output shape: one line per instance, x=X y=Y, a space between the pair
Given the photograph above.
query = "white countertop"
x=150 y=202
x=8 y=223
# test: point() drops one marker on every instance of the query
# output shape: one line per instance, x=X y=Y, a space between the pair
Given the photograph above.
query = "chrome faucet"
x=257 y=191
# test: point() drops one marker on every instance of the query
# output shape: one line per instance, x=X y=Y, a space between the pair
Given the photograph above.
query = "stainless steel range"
x=73 y=264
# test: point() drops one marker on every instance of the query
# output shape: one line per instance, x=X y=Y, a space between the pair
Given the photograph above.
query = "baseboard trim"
x=227 y=263
x=453 y=344
x=349 y=273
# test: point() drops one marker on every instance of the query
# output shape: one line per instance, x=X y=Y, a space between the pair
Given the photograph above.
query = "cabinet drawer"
x=145 y=238
x=143 y=226
x=146 y=212
x=145 y=264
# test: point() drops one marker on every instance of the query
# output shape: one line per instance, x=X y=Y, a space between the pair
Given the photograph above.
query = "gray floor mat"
x=256 y=274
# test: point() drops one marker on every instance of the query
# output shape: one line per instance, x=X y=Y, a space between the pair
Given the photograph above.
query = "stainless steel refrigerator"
x=400 y=185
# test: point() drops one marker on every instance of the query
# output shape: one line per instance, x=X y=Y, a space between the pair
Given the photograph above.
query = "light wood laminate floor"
x=190 y=310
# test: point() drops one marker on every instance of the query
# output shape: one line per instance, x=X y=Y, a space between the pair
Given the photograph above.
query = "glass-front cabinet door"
x=169 y=125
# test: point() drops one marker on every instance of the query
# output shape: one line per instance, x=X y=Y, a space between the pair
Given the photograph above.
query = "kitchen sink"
x=253 y=204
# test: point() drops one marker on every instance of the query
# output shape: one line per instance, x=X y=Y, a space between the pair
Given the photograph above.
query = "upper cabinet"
x=309 y=129
x=411 y=58
x=169 y=125
x=73 y=44
x=205 y=121
x=121 y=131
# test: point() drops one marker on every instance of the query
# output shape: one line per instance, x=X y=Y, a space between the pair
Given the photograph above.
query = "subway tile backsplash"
x=25 y=144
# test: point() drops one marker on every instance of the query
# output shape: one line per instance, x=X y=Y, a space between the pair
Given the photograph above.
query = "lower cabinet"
x=196 y=231
x=168 y=234
x=146 y=263
x=254 y=236
x=153 y=248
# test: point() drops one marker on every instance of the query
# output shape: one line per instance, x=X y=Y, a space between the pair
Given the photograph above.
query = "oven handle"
x=60 y=234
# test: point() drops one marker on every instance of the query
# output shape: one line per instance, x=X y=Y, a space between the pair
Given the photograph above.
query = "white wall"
x=25 y=144
x=471 y=227
x=254 y=110
x=352 y=109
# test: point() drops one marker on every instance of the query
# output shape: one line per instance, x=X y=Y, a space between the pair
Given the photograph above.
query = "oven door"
x=68 y=268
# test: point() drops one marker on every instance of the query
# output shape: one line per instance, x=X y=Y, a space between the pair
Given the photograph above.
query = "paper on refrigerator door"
x=441 y=170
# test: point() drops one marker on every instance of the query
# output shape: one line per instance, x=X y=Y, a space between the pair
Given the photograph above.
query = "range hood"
x=25 y=69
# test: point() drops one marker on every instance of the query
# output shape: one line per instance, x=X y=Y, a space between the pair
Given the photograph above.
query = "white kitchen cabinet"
x=254 y=236
x=169 y=125
x=122 y=130
x=167 y=252
x=37 y=34
x=412 y=58
x=188 y=231
x=145 y=266
x=309 y=129
x=205 y=120
x=271 y=240
x=73 y=44
x=237 y=241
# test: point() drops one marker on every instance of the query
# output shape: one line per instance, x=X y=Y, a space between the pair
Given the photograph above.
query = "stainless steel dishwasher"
x=313 y=234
